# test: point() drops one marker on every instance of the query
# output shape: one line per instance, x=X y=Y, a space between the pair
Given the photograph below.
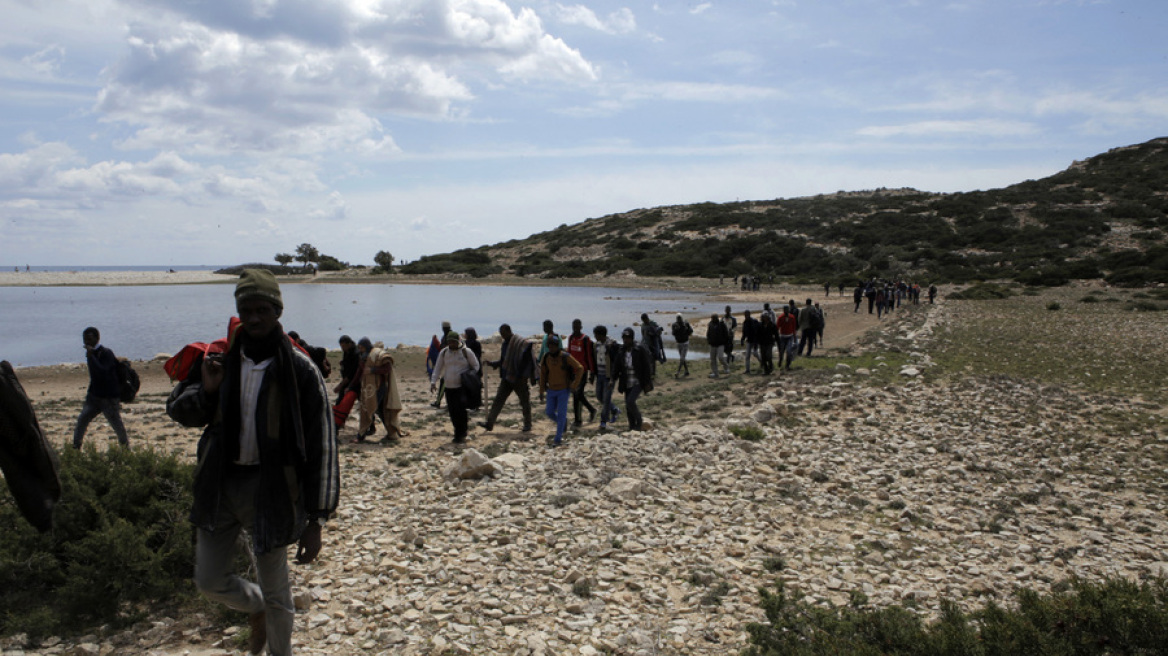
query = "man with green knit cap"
x=267 y=462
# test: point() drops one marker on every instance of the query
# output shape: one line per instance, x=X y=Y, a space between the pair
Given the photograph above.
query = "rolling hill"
x=1104 y=217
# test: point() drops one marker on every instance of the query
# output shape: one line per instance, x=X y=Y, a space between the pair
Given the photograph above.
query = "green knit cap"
x=452 y=336
x=258 y=283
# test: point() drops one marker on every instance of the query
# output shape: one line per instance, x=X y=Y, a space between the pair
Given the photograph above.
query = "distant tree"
x=307 y=253
x=384 y=259
x=284 y=258
x=330 y=263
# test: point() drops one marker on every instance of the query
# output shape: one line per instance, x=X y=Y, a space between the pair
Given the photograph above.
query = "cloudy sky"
x=180 y=132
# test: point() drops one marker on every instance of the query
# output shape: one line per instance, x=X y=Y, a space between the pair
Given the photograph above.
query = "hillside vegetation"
x=1105 y=217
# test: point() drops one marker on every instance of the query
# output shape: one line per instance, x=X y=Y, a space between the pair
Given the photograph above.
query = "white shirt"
x=451 y=364
x=251 y=377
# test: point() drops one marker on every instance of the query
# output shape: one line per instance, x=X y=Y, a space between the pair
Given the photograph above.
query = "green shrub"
x=982 y=291
x=119 y=546
x=1053 y=306
x=749 y=433
x=1145 y=306
x=1116 y=616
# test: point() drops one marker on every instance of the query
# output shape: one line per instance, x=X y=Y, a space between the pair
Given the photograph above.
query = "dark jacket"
x=717 y=334
x=767 y=334
x=750 y=330
x=349 y=363
x=642 y=368
x=300 y=478
x=103 y=373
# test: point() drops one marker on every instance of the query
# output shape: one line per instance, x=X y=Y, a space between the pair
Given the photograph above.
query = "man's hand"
x=433 y=388
x=309 y=546
x=213 y=374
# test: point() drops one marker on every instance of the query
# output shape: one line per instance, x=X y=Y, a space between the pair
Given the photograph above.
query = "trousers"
x=215 y=551
x=522 y=392
x=93 y=406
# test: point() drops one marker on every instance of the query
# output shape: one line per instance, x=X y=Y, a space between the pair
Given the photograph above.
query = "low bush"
x=120 y=545
x=1115 y=616
x=982 y=291
x=748 y=433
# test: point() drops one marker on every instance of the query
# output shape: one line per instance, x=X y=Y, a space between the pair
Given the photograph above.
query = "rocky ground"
x=874 y=470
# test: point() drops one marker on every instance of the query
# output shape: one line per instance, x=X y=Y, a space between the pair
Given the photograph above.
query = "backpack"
x=128 y=381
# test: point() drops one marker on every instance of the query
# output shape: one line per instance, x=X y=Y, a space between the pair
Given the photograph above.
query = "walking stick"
x=486 y=395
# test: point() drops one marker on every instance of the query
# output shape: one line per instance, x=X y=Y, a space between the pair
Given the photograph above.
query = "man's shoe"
x=257 y=638
x=526 y=428
x=485 y=426
x=591 y=415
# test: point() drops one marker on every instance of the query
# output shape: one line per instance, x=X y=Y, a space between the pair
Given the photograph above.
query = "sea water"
x=43 y=325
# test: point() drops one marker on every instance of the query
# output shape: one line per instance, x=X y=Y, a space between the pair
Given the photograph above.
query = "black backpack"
x=128 y=381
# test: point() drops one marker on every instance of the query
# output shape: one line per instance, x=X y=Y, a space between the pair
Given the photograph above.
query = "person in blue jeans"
x=560 y=375
x=605 y=352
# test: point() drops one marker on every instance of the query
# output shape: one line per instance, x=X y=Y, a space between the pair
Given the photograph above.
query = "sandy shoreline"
x=108 y=278
x=357 y=276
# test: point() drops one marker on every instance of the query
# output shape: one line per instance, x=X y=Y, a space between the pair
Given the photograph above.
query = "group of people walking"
x=794 y=330
x=884 y=296
x=559 y=367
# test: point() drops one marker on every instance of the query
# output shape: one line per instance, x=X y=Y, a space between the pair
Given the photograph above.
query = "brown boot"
x=258 y=639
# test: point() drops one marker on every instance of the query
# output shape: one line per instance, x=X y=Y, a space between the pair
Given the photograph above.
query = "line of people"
x=559 y=367
x=796 y=332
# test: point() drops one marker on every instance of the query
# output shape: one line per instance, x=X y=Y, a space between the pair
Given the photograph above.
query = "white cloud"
x=621 y=21
x=334 y=209
x=980 y=127
x=46 y=61
x=304 y=77
x=701 y=8
x=1103 y=107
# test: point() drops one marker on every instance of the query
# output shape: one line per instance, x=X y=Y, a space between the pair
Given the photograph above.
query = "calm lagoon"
x=42 y=325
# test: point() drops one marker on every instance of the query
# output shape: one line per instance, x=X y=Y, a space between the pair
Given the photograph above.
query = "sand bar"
x=107 y=278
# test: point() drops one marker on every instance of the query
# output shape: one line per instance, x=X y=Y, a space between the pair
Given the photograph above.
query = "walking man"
x=807 y=328
x=452 y=362
x=267 y=462
x=104 y=393
x=349 y=363
x=788 y=326
x=681 y=331
x=432 y=359
x=559 y=376
x=581 y=349
x=716 y=337
x=750 y=328
x=731 y=327
x=633 y=371
x=606 y=350
x=516 y=367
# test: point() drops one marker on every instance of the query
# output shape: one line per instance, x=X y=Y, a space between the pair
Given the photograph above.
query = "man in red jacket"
x=582 y=348
x=788 y=324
